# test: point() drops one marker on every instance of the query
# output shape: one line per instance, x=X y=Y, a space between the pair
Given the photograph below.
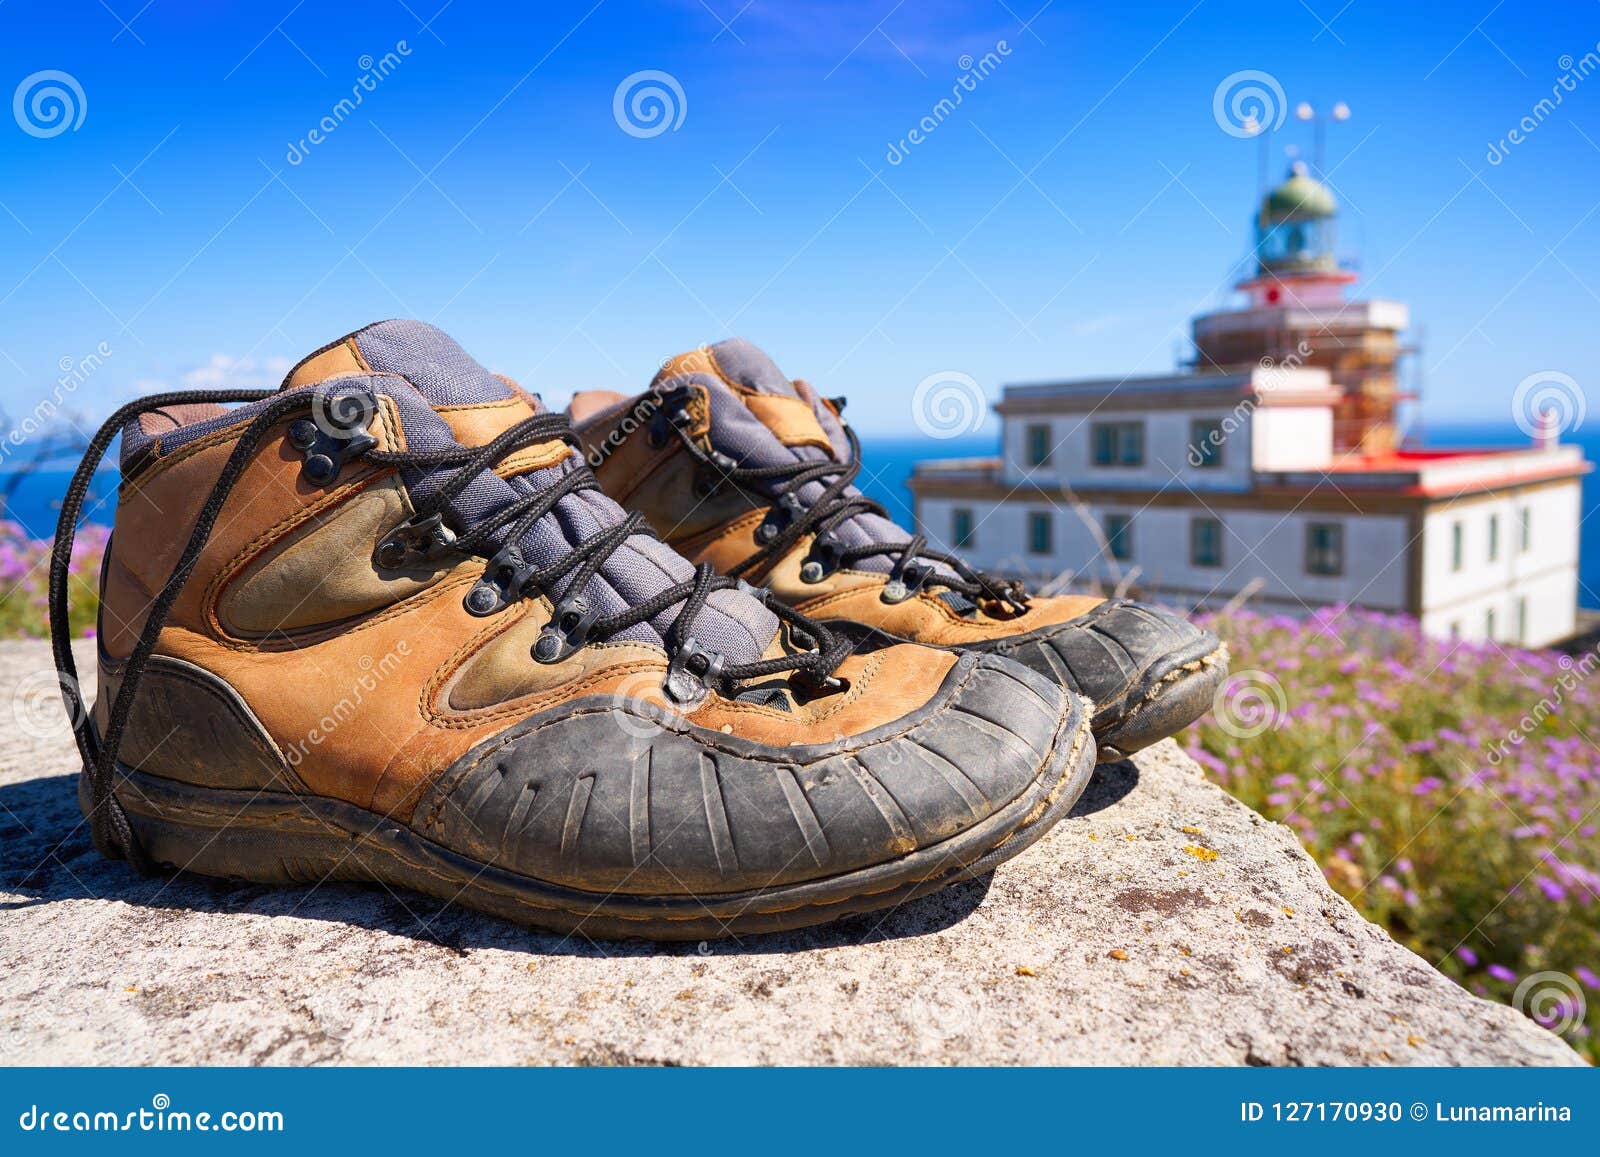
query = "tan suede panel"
x=674 y=504
x=479 y=423
x=726 y=544
x=622 y=465
x=323 y=572
x=884 y=686
x=696 y=361
x=926 y=618
x=342 y=359
x=791 y=421
x=498 y=667
x=539 y=456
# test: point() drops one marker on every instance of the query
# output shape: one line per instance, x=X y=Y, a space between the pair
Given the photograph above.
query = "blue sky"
x=1067 y=218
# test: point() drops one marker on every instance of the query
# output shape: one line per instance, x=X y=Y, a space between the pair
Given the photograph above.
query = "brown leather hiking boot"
x=382 y=625
x=738 y=466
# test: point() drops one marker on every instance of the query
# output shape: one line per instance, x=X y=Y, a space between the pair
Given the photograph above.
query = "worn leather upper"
x=365 y=684
x=740 y=404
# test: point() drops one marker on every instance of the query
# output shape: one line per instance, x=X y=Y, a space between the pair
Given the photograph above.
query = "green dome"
x=1295 y=227
x=1301 y=196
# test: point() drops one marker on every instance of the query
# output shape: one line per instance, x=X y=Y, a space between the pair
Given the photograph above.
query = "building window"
x=961 y=528
x=1494 y=537
x=1525 y=530
x=1489 y=624
x=1457 y=545
x=1522 y=619
x=1117 y=443
x=1041 y=533
x=1119 y=536
x=1039 y=444
x=1325 y=548
x=1205 y=444
x=1205 y=542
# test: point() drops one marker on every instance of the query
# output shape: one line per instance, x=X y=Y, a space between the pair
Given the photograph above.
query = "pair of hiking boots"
x=385 y=624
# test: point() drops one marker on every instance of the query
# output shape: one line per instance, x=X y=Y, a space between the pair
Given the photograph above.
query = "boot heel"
x=257 y=836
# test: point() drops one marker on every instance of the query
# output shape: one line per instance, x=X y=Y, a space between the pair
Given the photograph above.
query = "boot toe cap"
x=628 y=799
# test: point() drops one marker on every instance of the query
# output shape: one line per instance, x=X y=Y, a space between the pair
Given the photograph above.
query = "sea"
x=888 y=461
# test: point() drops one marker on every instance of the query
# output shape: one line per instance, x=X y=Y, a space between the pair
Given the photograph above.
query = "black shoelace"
x=791 y=519
x=812 y=668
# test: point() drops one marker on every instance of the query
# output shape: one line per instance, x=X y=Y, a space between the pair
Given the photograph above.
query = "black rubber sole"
x=1167 y=698
x=277 y=838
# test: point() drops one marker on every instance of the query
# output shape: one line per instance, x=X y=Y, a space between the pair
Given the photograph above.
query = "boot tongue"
x=761 y=418
x=422 y=369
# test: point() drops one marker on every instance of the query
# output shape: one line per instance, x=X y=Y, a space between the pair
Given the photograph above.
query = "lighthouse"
x=1299 y=313
x=1268 y=470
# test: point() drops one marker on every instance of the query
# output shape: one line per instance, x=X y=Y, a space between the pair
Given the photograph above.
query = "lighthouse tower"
x=1298 y=314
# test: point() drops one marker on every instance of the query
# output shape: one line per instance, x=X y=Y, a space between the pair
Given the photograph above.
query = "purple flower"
x=1501 y=972
x=1553 y=891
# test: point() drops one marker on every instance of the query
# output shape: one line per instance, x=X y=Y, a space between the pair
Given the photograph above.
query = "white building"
x=1272 y=475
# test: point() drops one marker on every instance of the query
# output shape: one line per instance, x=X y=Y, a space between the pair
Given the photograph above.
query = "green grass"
x=25 y=580
x=1450 y=791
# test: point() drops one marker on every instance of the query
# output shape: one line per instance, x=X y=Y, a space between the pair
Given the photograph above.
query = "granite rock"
x=1162 y=923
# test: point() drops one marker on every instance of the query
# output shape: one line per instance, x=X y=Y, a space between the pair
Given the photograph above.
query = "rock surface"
x=1163 y=923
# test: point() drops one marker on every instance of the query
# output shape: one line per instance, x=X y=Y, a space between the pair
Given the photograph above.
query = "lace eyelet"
x=692 y=669
x=336 y=433
x=823 y=559
x=413 y=543
x=501 y=585
x=904 y=583
x=568 y=629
